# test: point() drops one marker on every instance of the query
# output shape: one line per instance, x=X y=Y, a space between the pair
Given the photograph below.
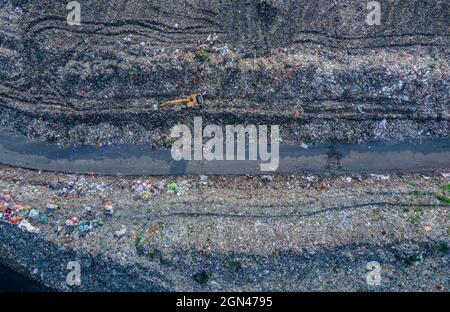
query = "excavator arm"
x=194 y=100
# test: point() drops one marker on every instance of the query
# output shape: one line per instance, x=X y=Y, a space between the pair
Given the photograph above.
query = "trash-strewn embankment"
x=99 y=83
x=234 y=233
x=316 y=95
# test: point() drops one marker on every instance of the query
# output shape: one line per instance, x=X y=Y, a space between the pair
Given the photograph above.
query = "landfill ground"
x=265 y=233
x=318 y=94
x=317 y=68
x=314 y=67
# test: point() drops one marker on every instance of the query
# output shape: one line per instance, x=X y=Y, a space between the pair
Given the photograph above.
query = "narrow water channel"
x=10 y=281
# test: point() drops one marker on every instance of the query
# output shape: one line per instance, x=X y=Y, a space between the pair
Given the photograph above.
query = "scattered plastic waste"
x=72 y=221
x=174 y=187
x=119 y=234
x=380 y=177
x=14 y=213
x=58 y=229
x=26 y=225
x=267 y=178
x=34 y=214
x=98 y=223
x=85 y=227
x=310 y=181
x=108 y=207
x=347 y=179
x=10 y=211
x=51 y=207
x=146 y=196
x=144 y=190
x=223 y=50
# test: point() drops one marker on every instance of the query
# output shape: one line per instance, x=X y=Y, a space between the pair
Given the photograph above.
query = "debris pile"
x=14 y=213
x=145 y=190
x=11 y=211
x=108 y=207
x=179 y=188
x=120 y=233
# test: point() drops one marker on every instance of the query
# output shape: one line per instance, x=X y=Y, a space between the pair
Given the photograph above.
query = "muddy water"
x=134 y=160
x=13 y=282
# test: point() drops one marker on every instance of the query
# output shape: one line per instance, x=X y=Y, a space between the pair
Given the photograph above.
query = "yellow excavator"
x=195 y=100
